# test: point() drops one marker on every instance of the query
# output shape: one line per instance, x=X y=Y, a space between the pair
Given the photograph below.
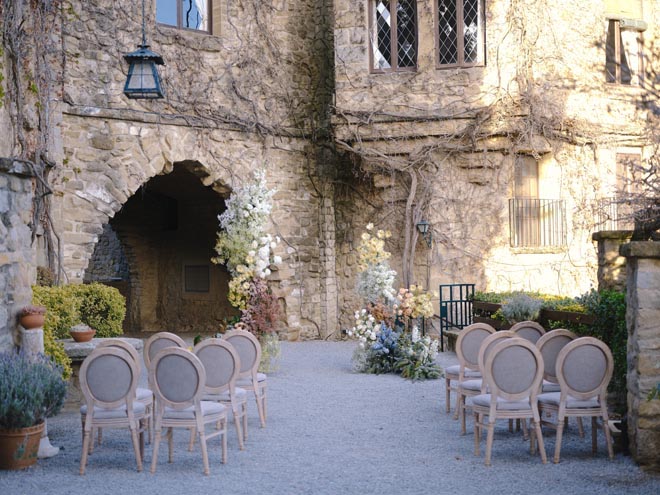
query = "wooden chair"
x=477 y=386
x=222 y=365
x=529 y=330
x=142 y=395
x=178 y=380
x=108 y=380
x=513 y=374
x=467 y=351
x=249 y=351
x=160 y=341
x=584 y=370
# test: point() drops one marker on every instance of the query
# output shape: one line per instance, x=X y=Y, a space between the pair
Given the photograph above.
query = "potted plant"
x=31 y=389
x=82 y=332
x=32 y=317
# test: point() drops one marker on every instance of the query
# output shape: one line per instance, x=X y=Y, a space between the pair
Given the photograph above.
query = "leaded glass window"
x=460 y=32
x=394 y=35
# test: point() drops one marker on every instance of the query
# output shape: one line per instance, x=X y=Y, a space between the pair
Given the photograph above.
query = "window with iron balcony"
x=393 y=35
x=460 y=33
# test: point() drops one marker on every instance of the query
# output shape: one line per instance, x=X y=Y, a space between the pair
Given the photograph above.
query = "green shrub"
x=101 y=307
x=55 y=350
x=609 y=308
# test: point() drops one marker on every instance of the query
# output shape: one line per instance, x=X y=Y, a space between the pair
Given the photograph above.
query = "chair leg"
x=136 y=448
x=594 y=435
x=154 y=455
x=100 y=439
x=170 y=445
x=560 y=431
x=608 y=435
x=539 y=438
x=264 y=401
x=205 y=455
x=462 y=412
x=458 y=403
x=489 y=439
x=580 y=427
x=85 y=450
x=477 y=432
x=510 y=426
x=239 y=432
x=260 y=408
x=192 y=439
x=524 y=429
x=245 y=422
x=224 y=441
x=447 y=395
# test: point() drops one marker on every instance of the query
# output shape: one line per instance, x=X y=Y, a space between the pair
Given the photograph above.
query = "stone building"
x=507 y=131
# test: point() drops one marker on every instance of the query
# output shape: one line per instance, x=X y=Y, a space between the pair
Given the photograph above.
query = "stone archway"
x=157 y=251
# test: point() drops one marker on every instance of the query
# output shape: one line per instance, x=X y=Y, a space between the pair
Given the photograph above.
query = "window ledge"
x=538 y=250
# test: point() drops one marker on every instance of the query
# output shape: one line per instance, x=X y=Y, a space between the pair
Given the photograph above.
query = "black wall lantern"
x=424 y=228
x=143 y=80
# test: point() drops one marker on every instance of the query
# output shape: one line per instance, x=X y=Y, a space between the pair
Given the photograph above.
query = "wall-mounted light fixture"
x=424 y=228
x=143 y=80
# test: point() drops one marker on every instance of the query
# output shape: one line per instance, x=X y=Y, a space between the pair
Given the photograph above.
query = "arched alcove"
x=157 y=250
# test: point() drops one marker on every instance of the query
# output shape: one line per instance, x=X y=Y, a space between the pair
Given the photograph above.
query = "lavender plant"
x=31 y=389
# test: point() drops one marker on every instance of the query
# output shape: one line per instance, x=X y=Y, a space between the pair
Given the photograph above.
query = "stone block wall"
x=643 y=319
x=17 y=257
x=611 y=265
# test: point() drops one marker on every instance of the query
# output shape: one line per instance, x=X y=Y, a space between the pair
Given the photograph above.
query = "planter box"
x=484 y=309
x=496 y=324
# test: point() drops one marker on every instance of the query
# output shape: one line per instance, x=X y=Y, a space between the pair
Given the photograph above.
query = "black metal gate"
x=455 y=307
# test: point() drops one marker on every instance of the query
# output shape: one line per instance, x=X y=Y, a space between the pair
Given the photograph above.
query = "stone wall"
x=17 y=257
x=611 y=265
x=540 y=88
x=643 y=319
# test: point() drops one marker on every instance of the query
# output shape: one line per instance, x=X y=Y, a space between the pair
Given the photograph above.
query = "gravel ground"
x=331 y=431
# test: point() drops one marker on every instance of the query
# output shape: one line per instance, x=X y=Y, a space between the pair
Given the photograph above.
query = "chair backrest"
x=550 y=344
x=121 y=344
x=160 y=341
x=221 y=363
x=514 y=370
x=108 y=378
x=489 y=344
x=529 y=330
x=248 y=348
x=584 y=368
x=177 y=378
x=468 y=344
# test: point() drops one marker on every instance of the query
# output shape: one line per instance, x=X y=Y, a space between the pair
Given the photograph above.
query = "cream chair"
x=222 y=365
x=108 y=380
x=513 y=373
x=160 y=341
x=529 y=330
x=477 y=386
x=178 y=380
x=467 y=352
x=584 y=370
x=143 y=395
x=249 y=351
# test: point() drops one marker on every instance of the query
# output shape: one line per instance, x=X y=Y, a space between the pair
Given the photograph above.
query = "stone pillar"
x=611 y=265
x=643 y=320
x=17 y=256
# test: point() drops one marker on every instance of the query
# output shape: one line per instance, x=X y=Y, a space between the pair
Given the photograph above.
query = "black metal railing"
x=537 y=222
x=455 y=307
x=613 y=214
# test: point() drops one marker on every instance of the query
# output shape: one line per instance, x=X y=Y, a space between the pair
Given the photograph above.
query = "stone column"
x=643 y=320
x=611 y=265
x=32 y=343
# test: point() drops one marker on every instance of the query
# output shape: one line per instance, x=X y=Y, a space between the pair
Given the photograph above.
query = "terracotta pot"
x=84 y=336
x=19 y=447
x=32 y=320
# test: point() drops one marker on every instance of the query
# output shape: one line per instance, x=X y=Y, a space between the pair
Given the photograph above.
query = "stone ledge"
x=640 y=249
x=612 y=234
x=14 y=166
x=78 y=351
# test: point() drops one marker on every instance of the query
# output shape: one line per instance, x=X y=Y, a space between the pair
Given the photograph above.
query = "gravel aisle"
x=331 y=431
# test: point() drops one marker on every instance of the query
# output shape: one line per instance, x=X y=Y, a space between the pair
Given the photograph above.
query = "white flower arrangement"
x=366 y=328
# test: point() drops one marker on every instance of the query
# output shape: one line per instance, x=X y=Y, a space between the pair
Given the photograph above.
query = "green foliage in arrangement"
x=101 y=307
x=549 y=301
x=31 y=389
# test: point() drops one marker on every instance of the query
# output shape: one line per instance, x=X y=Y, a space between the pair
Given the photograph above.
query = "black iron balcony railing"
x=613 y=214
x=537 y=222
